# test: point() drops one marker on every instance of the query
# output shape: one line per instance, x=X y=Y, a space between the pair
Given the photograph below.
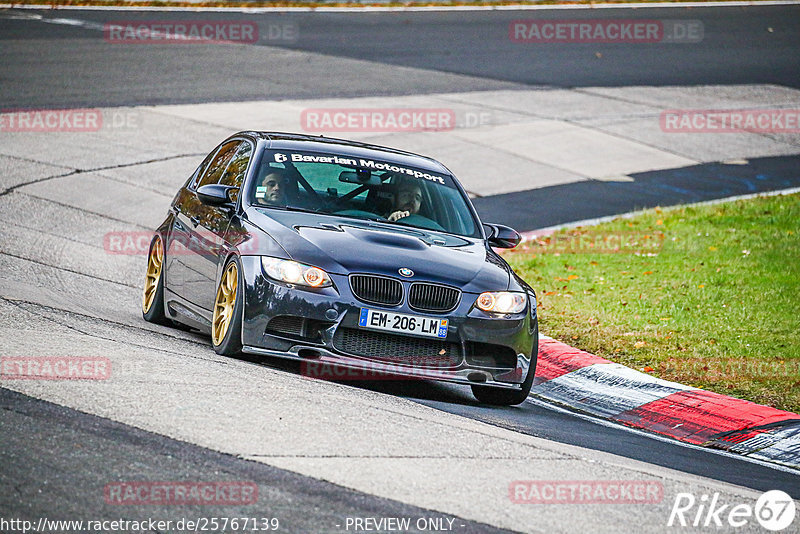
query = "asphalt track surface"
x=63 y=65
x=555 y=205
x=62 y=472
x=74 y=453
x=460 y=51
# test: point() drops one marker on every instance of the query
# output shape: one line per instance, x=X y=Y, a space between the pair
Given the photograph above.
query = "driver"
x=272 y=188
x=407 y=200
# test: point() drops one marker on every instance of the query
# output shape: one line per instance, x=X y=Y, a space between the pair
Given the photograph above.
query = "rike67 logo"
x=774 y=510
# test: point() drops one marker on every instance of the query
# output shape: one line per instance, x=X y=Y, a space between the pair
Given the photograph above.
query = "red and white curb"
x=587 y=383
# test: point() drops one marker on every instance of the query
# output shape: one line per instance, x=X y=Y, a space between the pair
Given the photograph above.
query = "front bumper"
x=481 y=349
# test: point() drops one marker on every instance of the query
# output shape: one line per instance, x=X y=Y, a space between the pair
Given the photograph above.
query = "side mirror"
x=500 y=236
x=215 y=195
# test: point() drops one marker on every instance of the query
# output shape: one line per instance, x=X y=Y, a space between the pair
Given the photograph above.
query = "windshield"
x=362 y=188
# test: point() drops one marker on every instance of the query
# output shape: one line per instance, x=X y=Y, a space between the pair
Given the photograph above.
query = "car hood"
x=344 y=245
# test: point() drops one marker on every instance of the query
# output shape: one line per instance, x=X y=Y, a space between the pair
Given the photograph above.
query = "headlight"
x=292 y=272
x=501 y=302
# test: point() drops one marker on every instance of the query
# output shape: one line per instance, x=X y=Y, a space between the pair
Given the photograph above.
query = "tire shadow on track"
x=412 y=388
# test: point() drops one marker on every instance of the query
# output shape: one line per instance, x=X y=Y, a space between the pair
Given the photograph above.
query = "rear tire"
x=153 y=293
x=226 y=325
x=511 y=397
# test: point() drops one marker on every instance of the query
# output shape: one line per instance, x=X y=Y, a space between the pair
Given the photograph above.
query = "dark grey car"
x=348 y=256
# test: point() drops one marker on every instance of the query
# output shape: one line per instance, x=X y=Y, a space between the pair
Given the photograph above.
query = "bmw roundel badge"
x=405 y=271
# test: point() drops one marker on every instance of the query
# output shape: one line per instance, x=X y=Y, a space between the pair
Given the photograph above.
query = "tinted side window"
x=234 y=174
x=199 y=172
x=219 y=163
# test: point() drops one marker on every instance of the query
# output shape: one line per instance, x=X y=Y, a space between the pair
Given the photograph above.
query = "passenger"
x=407 y=200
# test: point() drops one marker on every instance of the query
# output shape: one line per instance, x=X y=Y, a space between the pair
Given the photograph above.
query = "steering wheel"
x=416 y=219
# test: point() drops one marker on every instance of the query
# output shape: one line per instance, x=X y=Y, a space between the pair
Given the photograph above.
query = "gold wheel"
x=225 y=303
x=154 y=263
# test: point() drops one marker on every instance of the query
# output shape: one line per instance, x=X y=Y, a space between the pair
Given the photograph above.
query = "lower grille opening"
x=490 y=355
x=405 y=350
x=287 y=324
x=297 y=328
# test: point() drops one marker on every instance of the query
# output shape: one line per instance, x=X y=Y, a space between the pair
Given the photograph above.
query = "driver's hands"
x=398 y=215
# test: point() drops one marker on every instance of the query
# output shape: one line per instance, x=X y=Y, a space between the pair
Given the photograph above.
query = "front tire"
x=226 y=324
x=511 y=397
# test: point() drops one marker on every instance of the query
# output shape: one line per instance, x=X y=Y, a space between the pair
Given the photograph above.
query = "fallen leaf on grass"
x=639 y=344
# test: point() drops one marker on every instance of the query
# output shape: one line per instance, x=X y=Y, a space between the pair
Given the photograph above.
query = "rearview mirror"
x=500 y=236
x=360 y=176
x=215 y=195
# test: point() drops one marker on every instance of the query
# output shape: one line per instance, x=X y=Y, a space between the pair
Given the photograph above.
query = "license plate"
x=404 y=324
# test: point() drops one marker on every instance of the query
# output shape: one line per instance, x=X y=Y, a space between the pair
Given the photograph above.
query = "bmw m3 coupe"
x=348 y=255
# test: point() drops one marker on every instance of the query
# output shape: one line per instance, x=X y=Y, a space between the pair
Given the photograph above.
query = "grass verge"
x=708 y=296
